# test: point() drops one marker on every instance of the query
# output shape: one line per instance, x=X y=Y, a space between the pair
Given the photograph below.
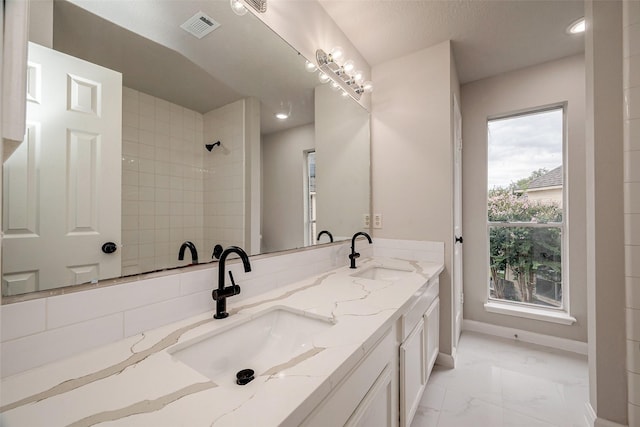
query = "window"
x=525 y=221
x=310 y=196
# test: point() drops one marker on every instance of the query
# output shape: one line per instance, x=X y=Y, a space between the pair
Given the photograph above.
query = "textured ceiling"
x=489 y=37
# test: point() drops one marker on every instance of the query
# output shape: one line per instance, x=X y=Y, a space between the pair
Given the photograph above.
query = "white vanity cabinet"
x=371 y=388
x=418 y=349
x=432 y=335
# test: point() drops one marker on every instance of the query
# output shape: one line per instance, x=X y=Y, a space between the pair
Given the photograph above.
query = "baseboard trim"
x=525 y=336
x=590 y=415
x=593 y=421
x=446 y=360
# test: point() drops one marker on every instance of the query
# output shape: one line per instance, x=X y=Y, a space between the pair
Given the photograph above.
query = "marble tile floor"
x=506 y=383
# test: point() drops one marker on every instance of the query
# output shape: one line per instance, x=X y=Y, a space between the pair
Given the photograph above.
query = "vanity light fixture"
x=240 y=9
x=576 y=27
x=334 y=66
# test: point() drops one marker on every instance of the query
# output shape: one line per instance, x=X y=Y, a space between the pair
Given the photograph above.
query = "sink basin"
x=261 y=343
x=382 y=273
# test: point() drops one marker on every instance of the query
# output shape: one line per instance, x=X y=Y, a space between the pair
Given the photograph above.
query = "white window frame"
x=560 y=314
x=309 y=222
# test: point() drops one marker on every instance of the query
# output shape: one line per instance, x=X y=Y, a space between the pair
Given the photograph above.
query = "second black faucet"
x=353 y=255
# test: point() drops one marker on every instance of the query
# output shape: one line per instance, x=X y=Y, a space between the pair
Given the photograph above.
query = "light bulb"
x=335 y=86
x=349 y=66
x=337 y=55
x=344 y=93
x=237 y=7
x=358 y=77
x=323 y=77
x=367 y=86
x=310 y=66
x=577 y=27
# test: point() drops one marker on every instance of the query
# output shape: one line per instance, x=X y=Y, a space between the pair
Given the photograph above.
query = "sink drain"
x=244 y=376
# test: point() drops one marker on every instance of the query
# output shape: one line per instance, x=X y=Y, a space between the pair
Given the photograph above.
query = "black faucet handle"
x=217 y=251
x=354 y=255
x=235 y=289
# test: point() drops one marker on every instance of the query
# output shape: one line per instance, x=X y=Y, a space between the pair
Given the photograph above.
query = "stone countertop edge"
x=140 y=383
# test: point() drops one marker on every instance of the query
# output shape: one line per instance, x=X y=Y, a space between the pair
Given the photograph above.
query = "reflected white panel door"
x=457 y=223
x=61 y=188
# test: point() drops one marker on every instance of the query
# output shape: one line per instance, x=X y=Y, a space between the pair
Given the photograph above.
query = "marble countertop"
x=138 y=382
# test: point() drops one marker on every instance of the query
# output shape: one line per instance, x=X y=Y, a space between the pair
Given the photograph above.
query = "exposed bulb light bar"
x=343 y=76
x=239 y=6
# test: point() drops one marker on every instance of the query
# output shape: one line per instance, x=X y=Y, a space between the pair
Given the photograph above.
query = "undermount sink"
x=267 y=341
x=381 y=273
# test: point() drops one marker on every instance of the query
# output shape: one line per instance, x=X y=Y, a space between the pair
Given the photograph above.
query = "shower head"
x=209 y=147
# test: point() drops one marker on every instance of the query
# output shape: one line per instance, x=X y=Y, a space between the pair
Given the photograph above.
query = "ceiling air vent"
x=199 y=25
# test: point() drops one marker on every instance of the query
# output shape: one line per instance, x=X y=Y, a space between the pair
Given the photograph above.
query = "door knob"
x=459 y=239
x=109 y=248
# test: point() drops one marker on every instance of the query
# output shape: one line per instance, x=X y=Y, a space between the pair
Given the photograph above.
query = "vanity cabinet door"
x=412 y=373
x=376 y=409
x=432 y=335
x=367 y=396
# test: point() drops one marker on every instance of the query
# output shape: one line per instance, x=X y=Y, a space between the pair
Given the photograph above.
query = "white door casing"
x=61 y=188
x=457 y=224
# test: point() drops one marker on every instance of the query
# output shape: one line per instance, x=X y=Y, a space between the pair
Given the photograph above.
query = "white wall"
x=553 y=82
x=605 y=213
x=252 y=176
x=631 y=51
x=283 y=171
x=343 y=163
x=224 y=178
x=161 y=182
x=412 y=157
x=41 y=22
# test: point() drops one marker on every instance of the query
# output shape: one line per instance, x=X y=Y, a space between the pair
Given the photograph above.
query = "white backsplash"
x=41 y=331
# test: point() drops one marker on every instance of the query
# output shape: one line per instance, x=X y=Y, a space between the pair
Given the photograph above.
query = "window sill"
x=530 y=313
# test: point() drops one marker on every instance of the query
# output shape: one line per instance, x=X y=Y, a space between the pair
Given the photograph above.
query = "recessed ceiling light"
x=282 y=116
x=577 y=26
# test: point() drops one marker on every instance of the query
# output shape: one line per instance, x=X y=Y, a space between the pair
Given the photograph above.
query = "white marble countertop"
x=137 y=382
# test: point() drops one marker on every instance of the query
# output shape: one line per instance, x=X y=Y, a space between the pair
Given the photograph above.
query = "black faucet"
x=327 y=233
x=221 y=294
x=192 y=248
x=353 y=255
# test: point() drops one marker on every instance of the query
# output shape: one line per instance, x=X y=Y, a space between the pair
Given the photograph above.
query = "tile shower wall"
x=162 y=181
x=223 y=188
x=631 y=51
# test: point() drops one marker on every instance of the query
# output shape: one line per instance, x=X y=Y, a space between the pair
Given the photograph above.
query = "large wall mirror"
x=144 y=132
